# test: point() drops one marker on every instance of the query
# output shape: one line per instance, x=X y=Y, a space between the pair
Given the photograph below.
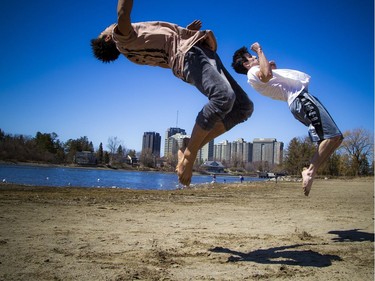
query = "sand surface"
x=249 y=231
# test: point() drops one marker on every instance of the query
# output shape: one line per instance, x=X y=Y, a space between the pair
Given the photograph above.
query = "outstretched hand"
x=195 y=25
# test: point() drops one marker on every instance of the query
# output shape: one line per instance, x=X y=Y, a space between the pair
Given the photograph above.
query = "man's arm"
x=124 y=8
x=265 y=73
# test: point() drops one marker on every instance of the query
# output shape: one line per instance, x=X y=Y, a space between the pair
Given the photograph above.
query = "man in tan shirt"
x=191 y=55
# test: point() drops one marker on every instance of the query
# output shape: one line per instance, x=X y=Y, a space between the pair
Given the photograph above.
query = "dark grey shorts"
x=227 y=101
x=310 y=111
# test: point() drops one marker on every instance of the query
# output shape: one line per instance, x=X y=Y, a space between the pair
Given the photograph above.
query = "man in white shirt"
x=292 y=86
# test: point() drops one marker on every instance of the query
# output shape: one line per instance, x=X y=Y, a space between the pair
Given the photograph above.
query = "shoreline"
x=63 y=176
x=205 y=182
x=110 y=169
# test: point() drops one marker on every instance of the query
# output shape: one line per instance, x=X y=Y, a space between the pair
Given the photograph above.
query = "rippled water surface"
x=60 y=176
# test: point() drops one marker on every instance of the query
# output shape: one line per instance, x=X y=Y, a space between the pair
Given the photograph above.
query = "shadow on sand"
x=285 y=255
x=291 y=255
x=352 y=235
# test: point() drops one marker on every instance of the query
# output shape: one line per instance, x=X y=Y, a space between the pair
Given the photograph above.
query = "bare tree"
x=171 y=159
x=113 y=145
x=359 y=145
x=147 y=159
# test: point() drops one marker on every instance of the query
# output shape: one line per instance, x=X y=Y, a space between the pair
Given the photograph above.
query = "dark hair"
x=239 y=59
x=103 y=50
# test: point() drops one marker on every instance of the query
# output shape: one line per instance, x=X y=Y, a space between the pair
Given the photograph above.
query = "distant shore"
x=53 y=165
x=76 y=166
x=104 y=167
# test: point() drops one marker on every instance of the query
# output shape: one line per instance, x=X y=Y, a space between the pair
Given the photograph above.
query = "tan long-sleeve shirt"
x=161 y=44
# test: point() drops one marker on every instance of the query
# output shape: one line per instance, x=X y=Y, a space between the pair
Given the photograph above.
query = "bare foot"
x=307 y=181
x=180 y=167
x=185 y=171
x=180 y=157
x=180 y=152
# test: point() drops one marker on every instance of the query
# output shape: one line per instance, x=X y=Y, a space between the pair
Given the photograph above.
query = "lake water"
x=60 y=176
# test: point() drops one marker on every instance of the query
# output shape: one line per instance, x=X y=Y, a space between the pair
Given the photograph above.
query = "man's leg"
x=227 y=104
x=201 y=71
x=181 y=150
x=310 y=111
x=199 y=138
x=218 y=130
x=323 y=152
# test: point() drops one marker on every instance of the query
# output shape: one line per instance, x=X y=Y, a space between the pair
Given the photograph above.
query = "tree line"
x=355 y=157
x=47 y=148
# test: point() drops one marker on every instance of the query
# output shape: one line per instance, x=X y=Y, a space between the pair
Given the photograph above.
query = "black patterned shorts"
x=310 y=111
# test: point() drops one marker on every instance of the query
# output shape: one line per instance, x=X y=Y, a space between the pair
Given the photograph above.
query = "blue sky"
x=50 y=81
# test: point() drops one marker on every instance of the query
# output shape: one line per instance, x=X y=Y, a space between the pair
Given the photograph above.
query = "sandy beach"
x=249 y=231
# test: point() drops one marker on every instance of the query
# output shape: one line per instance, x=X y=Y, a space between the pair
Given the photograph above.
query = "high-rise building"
x=151 y=142
x=171 y=145
x=206 y=153
x=278 y=153
x=267 y=150
x=237 y=150
x=247 y=152
x=231 y=152
x=172 y=131
x=222 y=151
x=173 y=140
